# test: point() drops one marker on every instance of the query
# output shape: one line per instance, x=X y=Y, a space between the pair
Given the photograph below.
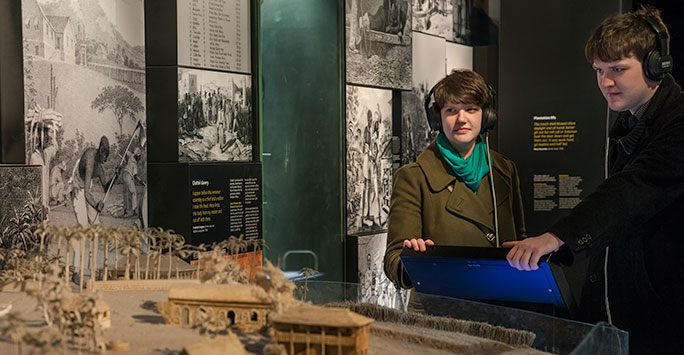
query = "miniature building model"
x=322 y=330
x=235 y=304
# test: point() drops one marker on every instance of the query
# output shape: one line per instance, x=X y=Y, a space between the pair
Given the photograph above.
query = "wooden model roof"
x=321 y=316
x=215 y=293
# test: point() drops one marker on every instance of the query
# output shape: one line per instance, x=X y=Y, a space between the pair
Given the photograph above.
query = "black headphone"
x=434 y=116
x=658 y=61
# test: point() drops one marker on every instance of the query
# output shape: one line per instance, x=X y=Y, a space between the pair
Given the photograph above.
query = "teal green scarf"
x=471 y=170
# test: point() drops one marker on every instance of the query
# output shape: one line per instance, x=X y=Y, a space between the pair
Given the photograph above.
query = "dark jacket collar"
x=662 y=101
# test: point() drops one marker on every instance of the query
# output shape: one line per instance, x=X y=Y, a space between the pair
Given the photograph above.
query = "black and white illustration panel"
x=369 y=158
x=214 y=116
x=378 y=38
x=84 y=95
x=429 y=61
x=458 y=56
x=374 y=286
x=433 y=17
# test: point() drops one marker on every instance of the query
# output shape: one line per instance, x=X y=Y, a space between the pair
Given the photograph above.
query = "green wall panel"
x=303 y=192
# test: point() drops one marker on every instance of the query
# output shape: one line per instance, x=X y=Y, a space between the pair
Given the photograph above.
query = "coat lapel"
x=465 y=204
x=462 y=202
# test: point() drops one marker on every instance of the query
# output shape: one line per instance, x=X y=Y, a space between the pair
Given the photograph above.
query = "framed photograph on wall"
x=214 y=116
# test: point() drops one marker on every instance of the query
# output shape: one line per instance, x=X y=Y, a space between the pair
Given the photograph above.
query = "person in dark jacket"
x=631 y=226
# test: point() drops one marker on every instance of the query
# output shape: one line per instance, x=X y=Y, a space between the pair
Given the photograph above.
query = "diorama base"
x=136 y=321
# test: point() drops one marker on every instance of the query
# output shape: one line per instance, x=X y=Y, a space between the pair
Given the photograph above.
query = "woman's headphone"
x=434 y=116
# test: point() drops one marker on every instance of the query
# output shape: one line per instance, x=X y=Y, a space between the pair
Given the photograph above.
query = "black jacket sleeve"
x=629 y=199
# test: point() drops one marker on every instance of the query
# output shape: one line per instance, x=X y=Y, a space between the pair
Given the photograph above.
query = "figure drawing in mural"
x=368 y=158
x=90 y=167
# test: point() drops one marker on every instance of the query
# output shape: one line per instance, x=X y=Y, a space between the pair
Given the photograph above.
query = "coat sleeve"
x=517 y=204
x=405 y=220
x=628 y=200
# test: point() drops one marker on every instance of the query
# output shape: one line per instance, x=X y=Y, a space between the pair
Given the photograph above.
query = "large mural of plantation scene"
x=369 y=158
x=84 y=100
x=214 y=116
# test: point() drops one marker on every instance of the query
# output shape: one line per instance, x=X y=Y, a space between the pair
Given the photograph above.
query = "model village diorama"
x=58 y=268
x=77 y=302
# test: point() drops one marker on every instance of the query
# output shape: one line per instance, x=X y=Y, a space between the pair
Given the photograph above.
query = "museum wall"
x=81 y=96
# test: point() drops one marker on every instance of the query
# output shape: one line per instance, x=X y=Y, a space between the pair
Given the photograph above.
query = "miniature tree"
x=197 y=253
x=242 y=244
x=306 y=272
x=256 y=243
x=69 y=236
x=154 y=253
x=171 y=240
x=131 y=246
x=222 y=269
x=151 y=241
x=43 y=230
x=212 y=323
x=58 y=233
x=183 y=251
x=91 y=327
x=50 y=291
x=140 y=235
x=81 y=234
x=275 y=287
x=95 y=232
x=162 y=237
x=118 y=236
x=106 y=237
x=16 y=254
x=231 y=244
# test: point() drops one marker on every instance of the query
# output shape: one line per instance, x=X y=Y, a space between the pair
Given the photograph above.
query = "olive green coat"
x=430 y=202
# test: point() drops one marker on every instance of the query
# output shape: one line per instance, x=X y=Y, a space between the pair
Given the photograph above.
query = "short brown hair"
x=623 y=35
x=462 y=86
